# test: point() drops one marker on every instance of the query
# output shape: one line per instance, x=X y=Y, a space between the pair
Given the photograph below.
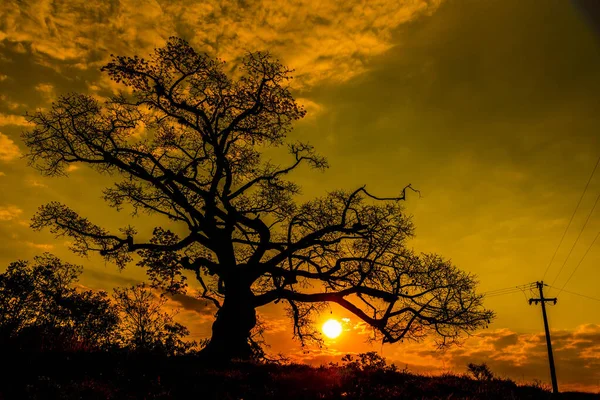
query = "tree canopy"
x=40 y=308
x=199 y=162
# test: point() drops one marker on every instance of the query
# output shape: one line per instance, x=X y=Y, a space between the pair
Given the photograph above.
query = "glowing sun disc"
x=332 y=328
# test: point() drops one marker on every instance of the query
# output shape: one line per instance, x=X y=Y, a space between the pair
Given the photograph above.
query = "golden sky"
x=490 y=108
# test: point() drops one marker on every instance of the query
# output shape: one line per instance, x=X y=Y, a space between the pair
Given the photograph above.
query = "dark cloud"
x=200 y=306
x=524 y=356
x=108 y=278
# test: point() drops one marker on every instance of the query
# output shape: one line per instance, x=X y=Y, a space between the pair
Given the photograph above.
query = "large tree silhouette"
x=247 y=241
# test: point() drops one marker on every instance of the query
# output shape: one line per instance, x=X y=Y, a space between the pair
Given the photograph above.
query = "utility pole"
x=542 y=300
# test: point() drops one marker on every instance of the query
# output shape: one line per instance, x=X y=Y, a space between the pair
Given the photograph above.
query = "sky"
x=490 y=108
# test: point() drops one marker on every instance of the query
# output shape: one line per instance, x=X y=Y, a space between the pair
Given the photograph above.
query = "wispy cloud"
x=40 y=246
x=36 y=183
x=8 y=149
x=9 y=212
x=325 y=40
x=46 y=90
x=12 y=119
x=7 y=102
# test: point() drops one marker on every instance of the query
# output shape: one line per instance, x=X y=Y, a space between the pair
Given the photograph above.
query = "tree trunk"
x=231 y=329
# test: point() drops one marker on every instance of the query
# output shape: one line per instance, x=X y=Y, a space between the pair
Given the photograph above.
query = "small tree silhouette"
x=145 y=326
x=367 y=362
x=481 y=372
x=246 y=241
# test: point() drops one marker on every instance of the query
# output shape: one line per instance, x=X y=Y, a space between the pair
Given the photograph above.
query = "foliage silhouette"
x=247 y=241
x=151 y=376
x=481 y=372
x=365 y=362
x=145 y=326
x=40 y=310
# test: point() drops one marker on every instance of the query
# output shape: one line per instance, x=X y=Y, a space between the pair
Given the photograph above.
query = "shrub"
x=481 y=372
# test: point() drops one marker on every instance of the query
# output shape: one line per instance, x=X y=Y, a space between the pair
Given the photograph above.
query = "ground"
x=125 y=376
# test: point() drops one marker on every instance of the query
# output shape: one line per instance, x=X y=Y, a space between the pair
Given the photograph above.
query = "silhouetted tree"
x=40 y=309
x=481 y=372
x=366 y=362
x=247 y=241
x=145 y=326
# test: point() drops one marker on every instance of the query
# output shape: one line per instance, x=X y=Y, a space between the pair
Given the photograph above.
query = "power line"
x=579 y=263
x=500 y=291
x=578 y=236
x=502 y=294
x=577 y=294
x=507 y=290
x=572 y=216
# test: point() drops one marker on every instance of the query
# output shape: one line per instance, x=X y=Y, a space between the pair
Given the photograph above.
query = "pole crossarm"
x=536 y=301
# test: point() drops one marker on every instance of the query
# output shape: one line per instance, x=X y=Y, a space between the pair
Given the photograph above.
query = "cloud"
x=272 y=325
x=9 y=212
x=11 y=119
x=40 y=246
x=11 y=105
x=109 y=279
x=199 y=306
x=522 y=356
x=36 y=183
x=312 y=109
x=46 y=90
x=325 y=40
x=8 y=149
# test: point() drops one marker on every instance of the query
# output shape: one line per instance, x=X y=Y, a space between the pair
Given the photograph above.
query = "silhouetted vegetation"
x=481 y=372
x=41 y=311
x=151 y=376
x=145 y=326
x=187 y=142
x=60 y=342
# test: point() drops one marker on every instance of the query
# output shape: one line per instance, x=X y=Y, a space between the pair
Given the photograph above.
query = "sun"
x=332 y=328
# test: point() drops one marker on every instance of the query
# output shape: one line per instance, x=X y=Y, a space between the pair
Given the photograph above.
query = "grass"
x=127 y=376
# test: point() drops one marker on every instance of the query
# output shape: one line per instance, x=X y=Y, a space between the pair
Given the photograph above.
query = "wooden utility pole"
x=543 y=301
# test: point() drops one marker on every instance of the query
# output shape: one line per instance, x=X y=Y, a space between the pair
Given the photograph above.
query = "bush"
x=481 y=372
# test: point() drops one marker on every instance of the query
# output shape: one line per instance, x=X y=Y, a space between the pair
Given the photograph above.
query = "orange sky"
x=489 y=108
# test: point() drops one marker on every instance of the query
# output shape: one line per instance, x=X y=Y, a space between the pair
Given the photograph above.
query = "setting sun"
x=332 y=328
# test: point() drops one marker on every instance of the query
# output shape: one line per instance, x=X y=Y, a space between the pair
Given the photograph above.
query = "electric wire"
x=502 y=294
x=577 y=294
x=507 y=290
x=577 y=239
x=579 y=263
x=527 y=285
x=499 y=292
x=572 y=216
x=512 y=288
